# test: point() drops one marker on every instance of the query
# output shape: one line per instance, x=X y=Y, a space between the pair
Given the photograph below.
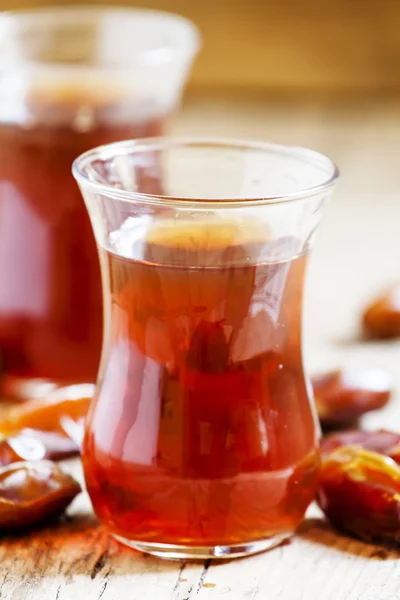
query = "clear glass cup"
x=70 y=79
x=202 y=438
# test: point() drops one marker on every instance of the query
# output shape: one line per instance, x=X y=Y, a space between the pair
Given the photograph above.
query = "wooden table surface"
x=358 y=252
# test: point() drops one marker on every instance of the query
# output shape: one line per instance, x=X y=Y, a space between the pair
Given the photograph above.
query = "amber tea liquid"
x=202 y=432
x=50 y=294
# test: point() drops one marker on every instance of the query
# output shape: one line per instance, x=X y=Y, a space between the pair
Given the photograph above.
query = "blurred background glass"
x=286 y=45
x=70 y=79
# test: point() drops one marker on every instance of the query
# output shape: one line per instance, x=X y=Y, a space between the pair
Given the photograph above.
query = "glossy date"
x=382 y=441
x=359 y=492
x=30 y=444
x=47 y=414
x=381 y=318
x=343 y=396
x=32 y=493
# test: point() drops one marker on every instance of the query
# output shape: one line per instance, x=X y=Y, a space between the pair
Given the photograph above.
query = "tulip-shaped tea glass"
x=71 y=78
x=202 y=438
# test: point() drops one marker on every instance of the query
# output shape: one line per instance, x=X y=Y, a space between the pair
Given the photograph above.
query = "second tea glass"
x=71 y=78
x=202 y=440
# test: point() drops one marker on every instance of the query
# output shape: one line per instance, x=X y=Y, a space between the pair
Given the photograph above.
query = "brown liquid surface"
x=202 y=431
x=50 y=294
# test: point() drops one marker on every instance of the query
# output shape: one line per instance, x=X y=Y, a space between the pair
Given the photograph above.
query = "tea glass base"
x=173 y=552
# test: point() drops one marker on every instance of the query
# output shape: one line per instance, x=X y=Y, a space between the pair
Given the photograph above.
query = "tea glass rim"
x=164 y=54
x=144 y=145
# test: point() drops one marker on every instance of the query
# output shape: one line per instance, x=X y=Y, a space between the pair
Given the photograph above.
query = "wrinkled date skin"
x=359 y=492
x=381 y=319
x=382 y=441
x=71 y=402
x=32 y=493
x=343 y=396
x=30 y=444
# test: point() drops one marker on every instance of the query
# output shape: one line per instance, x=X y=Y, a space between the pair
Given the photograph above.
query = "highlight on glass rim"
x=199 y=315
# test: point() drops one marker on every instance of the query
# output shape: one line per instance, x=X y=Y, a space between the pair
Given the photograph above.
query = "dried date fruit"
x=382 y=441
x=46 y=414
x=30 y=444
x=33 y=492
x=302 y=484
x=343 y=396
x=359 y=492
x=381 y=319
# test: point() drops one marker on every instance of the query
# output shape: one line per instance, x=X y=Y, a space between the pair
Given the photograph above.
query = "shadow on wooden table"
x=75 y=546
x=318 y=531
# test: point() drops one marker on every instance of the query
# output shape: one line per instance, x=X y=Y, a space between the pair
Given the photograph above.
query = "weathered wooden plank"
x=317 y=564
x=76 y=559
